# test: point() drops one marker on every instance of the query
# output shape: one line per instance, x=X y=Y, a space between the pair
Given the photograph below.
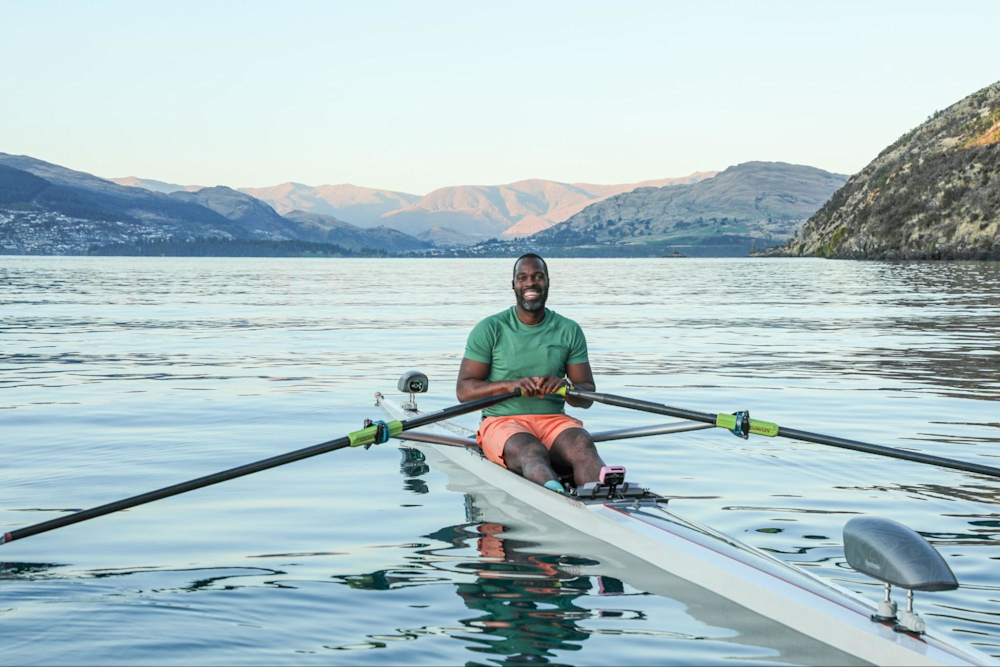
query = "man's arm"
x=472 y=383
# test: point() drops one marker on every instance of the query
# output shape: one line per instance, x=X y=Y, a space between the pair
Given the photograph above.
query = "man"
x=531 y=348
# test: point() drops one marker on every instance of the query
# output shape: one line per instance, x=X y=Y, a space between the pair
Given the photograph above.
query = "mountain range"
x=933 y=194
x=516 y=209
x=455 y=215
x=46 y=208
x=360 y=206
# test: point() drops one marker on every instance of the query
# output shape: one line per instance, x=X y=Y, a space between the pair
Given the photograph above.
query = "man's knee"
x=575 y=449
x=574 y=441
x=522 y=449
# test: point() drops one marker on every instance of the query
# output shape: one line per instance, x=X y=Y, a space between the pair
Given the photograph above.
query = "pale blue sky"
x=414 y=96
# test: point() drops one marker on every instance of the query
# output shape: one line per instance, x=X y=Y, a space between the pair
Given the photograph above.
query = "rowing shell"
x=644 y=527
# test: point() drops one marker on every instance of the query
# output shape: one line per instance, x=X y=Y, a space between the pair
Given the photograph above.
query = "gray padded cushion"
x=895 y=554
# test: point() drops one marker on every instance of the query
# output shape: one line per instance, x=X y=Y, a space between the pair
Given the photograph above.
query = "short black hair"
x=531 y=255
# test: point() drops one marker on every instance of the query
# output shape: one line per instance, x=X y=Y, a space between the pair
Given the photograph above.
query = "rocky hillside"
x=754 y=204
x=934 y=194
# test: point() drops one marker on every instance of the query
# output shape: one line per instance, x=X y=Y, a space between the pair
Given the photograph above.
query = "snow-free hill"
x=935 y=193
x=253 y=215
x=752 y=203
x=328 y=229
x=360 y=206
x=446 y=237
x=264 y=222
x=57 y=175
x=516 y=209
x=532 y=224
x=154 y=185
x=82 y=195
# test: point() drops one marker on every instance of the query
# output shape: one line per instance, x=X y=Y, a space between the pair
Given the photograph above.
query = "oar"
x=374 y=434
x=741 y=424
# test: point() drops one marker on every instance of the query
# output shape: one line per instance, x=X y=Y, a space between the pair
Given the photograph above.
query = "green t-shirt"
x=515 y=350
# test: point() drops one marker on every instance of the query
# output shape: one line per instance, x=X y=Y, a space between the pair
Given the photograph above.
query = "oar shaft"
x=644 y=406
x=177 y=489
x=794 y=434
x=358 y=437
x=892 y=452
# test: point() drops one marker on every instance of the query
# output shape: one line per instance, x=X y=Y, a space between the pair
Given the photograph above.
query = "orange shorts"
x=495 y=431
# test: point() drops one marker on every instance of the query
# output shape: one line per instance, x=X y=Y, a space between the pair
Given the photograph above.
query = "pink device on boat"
x=612 y=475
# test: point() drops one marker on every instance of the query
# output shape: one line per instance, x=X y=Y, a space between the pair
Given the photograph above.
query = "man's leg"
x=575 y=448
x=524 y=454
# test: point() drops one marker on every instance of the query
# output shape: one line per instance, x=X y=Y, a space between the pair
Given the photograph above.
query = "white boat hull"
x=719 y=564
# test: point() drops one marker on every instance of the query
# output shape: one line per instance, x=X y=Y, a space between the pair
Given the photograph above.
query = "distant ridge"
x=154 y=186
x=446 y=237
x=252 y=215
x=328 y=229
x=360 y=206
x=516 y=209
x=754 y=204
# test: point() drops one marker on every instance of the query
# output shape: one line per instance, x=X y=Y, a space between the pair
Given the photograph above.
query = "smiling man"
x=536 y=350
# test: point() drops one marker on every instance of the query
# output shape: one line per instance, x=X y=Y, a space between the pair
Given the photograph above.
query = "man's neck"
x=531 y=318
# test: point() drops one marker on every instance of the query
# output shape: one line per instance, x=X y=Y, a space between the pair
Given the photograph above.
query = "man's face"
x=531 y=284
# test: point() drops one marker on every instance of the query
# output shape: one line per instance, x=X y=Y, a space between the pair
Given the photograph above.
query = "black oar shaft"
x=240 y=471
x=644 y=406
x=794 y=434
x=893 y=452
x=176 y=489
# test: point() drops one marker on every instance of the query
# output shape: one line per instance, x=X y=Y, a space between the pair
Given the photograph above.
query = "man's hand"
x=472 y=383
x=536 y=386
x=528 y=386
x=549 y=384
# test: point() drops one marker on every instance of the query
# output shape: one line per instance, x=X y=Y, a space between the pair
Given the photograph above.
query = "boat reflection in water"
x=541 y=589
x=526 y=603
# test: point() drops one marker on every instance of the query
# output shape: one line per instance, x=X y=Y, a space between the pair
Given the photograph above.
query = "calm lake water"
x=121 y=375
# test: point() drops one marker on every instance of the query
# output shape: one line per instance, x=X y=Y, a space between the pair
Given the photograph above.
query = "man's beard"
x=532 y=306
